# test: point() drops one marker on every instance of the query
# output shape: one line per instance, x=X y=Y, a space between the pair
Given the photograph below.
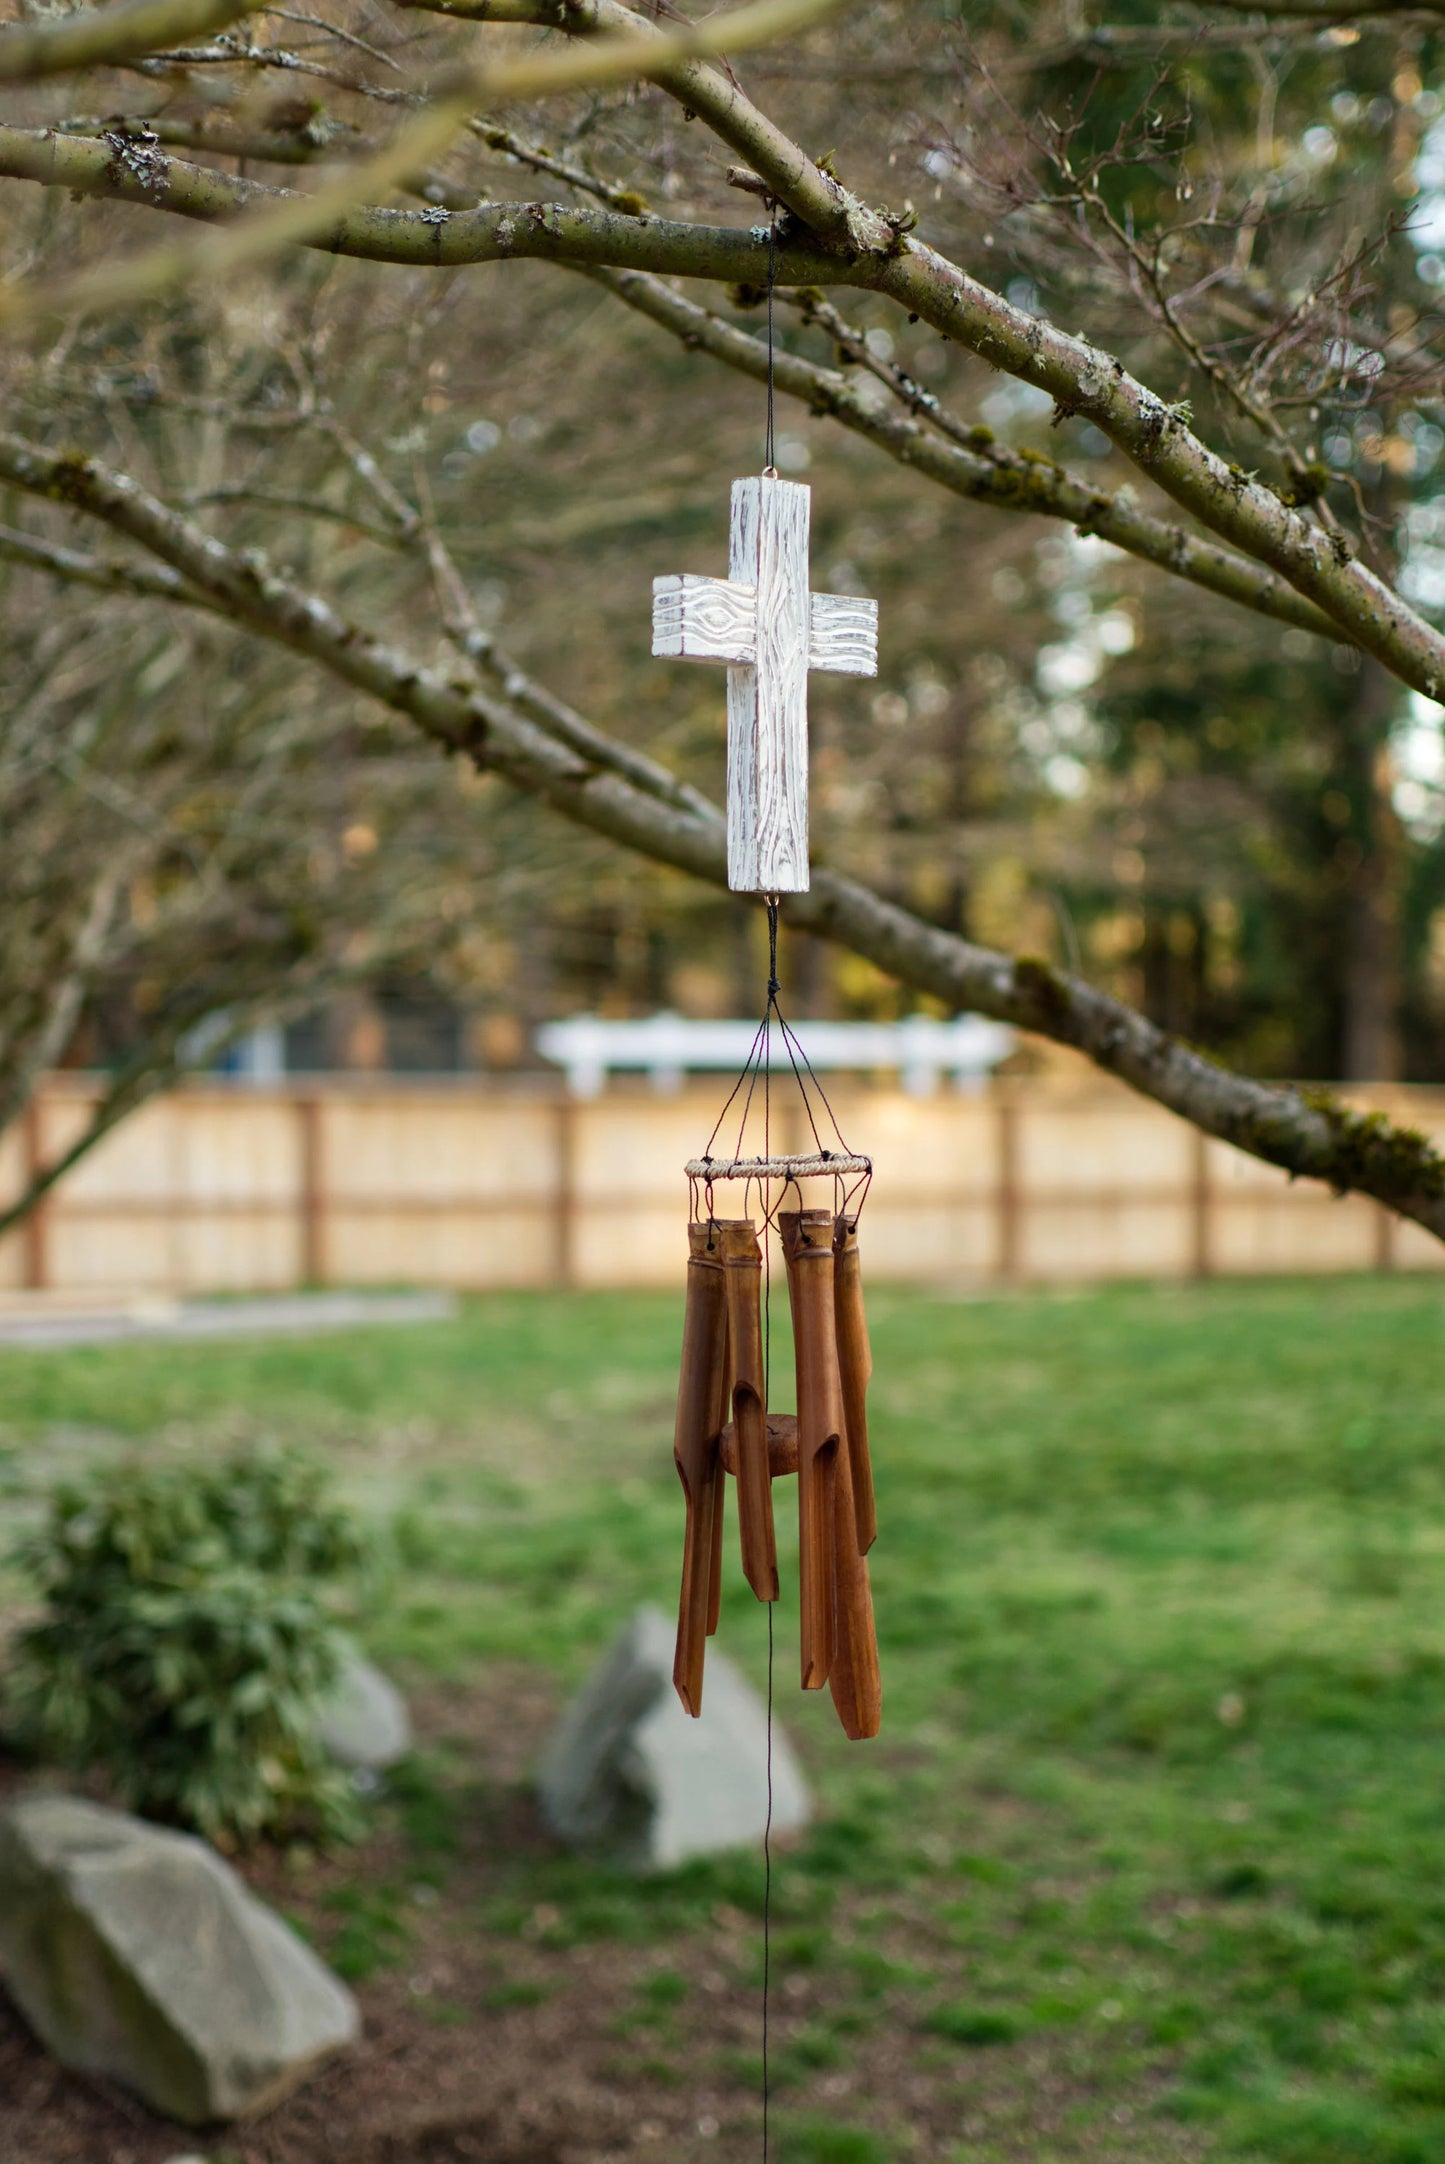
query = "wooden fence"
x=220 y=1187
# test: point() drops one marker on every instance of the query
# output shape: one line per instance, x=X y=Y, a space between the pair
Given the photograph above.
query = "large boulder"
x=363 y=1719
x=139 y=1953
x=629 y=1776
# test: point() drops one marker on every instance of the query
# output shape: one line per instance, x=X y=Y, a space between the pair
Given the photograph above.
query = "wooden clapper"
x=764 y=622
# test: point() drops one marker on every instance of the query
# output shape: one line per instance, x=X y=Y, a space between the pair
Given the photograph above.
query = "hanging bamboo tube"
x=720 y=1488
x=855 y=1365
x=719 y=1498
x=743 y=1270
x=719 y=1494
x=853 y=1677
x=808 y=1248
x=700 y=1398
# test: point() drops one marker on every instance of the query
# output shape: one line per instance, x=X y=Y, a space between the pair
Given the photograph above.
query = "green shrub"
x=186 y=1639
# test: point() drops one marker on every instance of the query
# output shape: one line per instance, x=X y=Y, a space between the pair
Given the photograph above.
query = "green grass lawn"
x=1160 y=1799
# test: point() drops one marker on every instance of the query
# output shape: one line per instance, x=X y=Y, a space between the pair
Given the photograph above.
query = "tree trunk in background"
x=1172 y=962
x=1371 y=977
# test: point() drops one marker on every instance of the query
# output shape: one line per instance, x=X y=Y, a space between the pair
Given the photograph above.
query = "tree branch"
x=102 y=575
x=435 y=238
x=874 y=253
x=1081 y=378
x=970 y=464
x=1325 y=13
x=162 y=1062
x=102 y=37
x=839 y=220
x=62 y=998
x=311 y=219
x=532 y=700
x=1084 y=380
x=1310 y=1136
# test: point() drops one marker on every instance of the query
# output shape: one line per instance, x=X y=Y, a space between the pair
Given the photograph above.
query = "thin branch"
x=1166 y=310
x=163 y=1060
x=1326 y=13
x=302 y=506
x=64 y=995
x=432 y=238
x=317 y=138
x=149 y=582
x=345 y=37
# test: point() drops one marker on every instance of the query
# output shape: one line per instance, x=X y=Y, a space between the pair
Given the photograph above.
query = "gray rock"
x=630 y=1776
x=363 y=1719
x=138 y=1953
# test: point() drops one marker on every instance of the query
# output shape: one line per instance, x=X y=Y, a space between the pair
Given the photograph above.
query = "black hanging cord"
x=768 y=1890
x=768 y=1012
x=770 y=465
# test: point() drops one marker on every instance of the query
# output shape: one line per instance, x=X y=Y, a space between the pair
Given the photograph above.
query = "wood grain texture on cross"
x=769 y=629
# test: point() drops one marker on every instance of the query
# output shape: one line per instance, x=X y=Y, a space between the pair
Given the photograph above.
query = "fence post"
x=1199 y=1204
x=314 y=1259
x=35 y=1234
x=1007 y=1199
x=565 y=1194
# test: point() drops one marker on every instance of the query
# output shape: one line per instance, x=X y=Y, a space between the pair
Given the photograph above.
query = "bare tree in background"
x=193 y=840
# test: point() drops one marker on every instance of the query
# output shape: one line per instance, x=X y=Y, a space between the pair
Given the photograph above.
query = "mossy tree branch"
x=970 y=463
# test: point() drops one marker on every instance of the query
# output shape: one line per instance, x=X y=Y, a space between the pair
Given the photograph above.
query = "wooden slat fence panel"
x=227 y=1187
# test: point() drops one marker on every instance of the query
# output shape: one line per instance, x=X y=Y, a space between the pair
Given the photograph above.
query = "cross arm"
x=843 y=635
x=704 y=619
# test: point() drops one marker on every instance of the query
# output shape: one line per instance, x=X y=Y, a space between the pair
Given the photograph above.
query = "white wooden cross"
x=770 y=630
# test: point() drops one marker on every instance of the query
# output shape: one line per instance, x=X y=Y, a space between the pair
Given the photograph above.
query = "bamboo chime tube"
x=743 y=1272
x=855 y=1364
x=808 y=1249
x=719 y=1498
x=720 y=1487
x=700 y=1398
x=854 y=1678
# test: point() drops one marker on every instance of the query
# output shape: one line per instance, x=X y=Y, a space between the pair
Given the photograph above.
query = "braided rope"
x=819 y=1164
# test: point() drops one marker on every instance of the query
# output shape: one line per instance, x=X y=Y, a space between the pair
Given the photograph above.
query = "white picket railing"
x=667 y=1047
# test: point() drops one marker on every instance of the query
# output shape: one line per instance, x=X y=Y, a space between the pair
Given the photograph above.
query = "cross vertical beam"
x=768 y=701
x=769 y=630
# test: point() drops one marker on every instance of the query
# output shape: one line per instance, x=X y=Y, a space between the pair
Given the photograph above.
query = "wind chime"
x=770 y=630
